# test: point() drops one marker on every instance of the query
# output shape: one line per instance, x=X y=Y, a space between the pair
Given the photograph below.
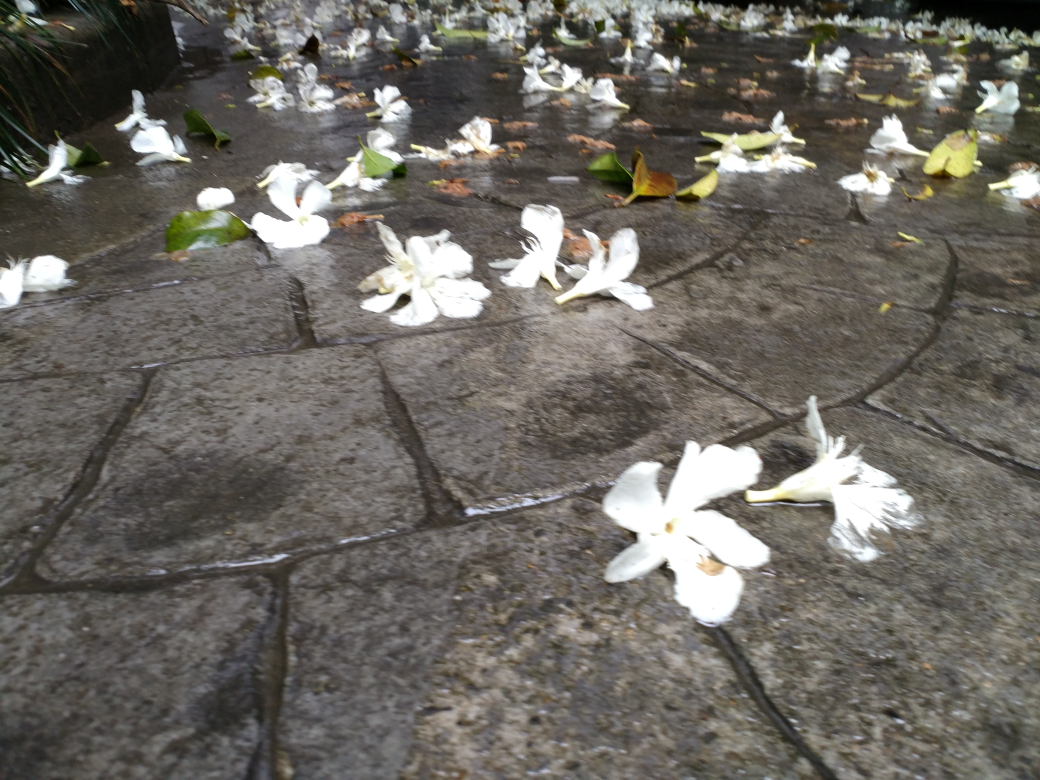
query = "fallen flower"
x=810 y=59
x=673 y=531
x=304 y=227
x=138 y=117
x=865 y=499
x=777 y=127
x=533 y=82
x=430 y=271
x=660 y=62
x=729 y=159
x=608 y=277
x=57 y=161
x=214 y=198
x=871 y=180
x=392 y=107
x=299 y=171
x=781 y=161
x=890 y=138
x=271 y=92
x=315 y=98
x=41 y=274
x=1002 y=101
x=426 y=46
x=1023 y=184
x=156 y=143
x=834 y=62
x=545 y=224
x=477 y=132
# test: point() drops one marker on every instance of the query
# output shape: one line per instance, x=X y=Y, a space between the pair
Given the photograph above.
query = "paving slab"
x=925 y=662
x=229 y=461
x=498 y=651
x=980 y=382
x=778 y=347
x=552 y=403
x=998 y=273
x=132 y=685
x=49 y=428
x=225 y=315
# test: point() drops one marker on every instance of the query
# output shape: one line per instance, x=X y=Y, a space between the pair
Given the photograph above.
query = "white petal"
x=504 y=264
x=636 y=561
x=11 y=280
x=713 y=473
x=861 y=511
x=390 y=241
x=381 y=303
x=727 y=541
x=45 y=273
x=282 y=192
x=214 y=198
x=711 y=599
x=315 y=198
x=459 y=298
x=635 y=502
x=526 y=271
x=420 y=309
x=632 y=294
x=814 y=424
x=450 y=260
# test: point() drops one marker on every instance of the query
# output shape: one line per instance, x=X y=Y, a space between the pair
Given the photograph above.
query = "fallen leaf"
x=925 y=193
x=772 y=74
x=344 y=85
x=515 y=126
x=709 y=71
x=746 y=84
x=869 y=98
x=591 y=143
x=225 y=96
x=353 y=100
x=765 y=59
x=512 y=181
x=700 y=189
x=804 y=241
x=908 y=237
x=613 y=197
x=685 y=83
x=179 y=255
x=846 y=124
x=746 y=119
x=264 y=71
x=480 y=35
x=1021 y=166
x=756 y=94
x=470 y=57
x=882 y=309
x=500 y=76
x=311 y=46
x=450 y=163
x=389 y=66
x=748 y=142
x=489 y=120
x=619 y=78
x=354 y=217
x=406 y=61
x=899 y=244
x=638 y=124
x=892 y=101
x=954 y=155
x=326 y=77
x=562 y=102
x=943 y=110
x=204 y=229
x=456 y=187
x=608 y=168
x=579 y=248
x=516 y=146
x=197 y=124
x=647 y=183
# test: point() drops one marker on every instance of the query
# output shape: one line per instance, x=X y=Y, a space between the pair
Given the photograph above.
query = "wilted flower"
x=358 y=37
x=1015 y=64
x=41 y=274
x=533 y=82
x=865 y=499
x=382 y=36
x=304 y=227
x=1002 y=101
x=545 y=223
x=57 y=160
x=214 y=198
x=430 y=271
x=156 y=143
x=504 y=28
x=426 y=46
x=626 y=58
x=834 y=62
x=610 y=29
x=871 y=180
x=952 y=81
x=779 y=128
x=1022 y=184
x=660 y=62
x=890 y=138
x=603 y=93
x=728 y=159
x=392 y=107
x=571 y=76
x=781 y=161
x=477 y=132
x=271 y=92
x=315 y=98
x=138 y=115
x=298 y=171
x=920 y=65
x=673 y=531
x=608 y=277
x=810 y=59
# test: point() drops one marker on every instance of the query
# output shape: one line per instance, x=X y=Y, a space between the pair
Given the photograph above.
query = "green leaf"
x=243 y=54
x=601 y=25
x=573 y=41
x=204 y=229
x=827 y=30
x=607 y=168
x=479 y=35
x=954 y=155
x=747 y=142
x=701 y=188
x=728 y=25
x=375 y=164
x=197 y=124
x=406 y=61
x=264 y=71
x=80 y=158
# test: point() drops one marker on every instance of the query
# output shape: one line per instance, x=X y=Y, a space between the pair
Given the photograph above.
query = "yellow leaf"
x=925 y=193
x=701 y=188
x=908 y=237
x=869 y=98
x=647 y=183
x=747 y=142
x=954 y=155
x=884 y=307
x=894 y=102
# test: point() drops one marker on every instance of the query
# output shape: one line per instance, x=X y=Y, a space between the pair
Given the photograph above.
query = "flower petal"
x=713 y=473
x=391 y=242
x=711 y=599
x=381 y=303
x=459 y=298
x=632 y=294
x=45 y=273
x=726 y=540
x=636 y=561
x=421 y=310
x=450 y=260
x=315 y=198
x=282 y=192
x=635 y=502
x=861 y=511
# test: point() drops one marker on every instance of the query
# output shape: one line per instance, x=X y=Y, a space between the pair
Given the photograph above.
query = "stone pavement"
x=252 y=531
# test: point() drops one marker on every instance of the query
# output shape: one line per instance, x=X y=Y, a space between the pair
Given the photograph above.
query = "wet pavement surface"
x=250 y=530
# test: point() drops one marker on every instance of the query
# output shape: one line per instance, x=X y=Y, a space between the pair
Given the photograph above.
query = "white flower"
x=426 y=46
x=535 y=56
x=358 y=37
x=477 y=132
x=660 y=62
x=503 y=28
x=1002 y=101
x=920 y=65
x=382 y=36
x=11 y=284
x=608 y=277
x=626 y=58
x=779 y=160
x=603 y=93
x=871 y=180
x=315 y=98
x=952 y=81
x=303 y=228
x=214 y=198
x=545 y=223
x=238 y=37
x=729 y=159
x=562 y=31
x=810 y=59
x=156 y=143
x=642 y=37
x=46 y=273
x=1022 y=184
x=271 y=92
x=890 y=138
x=431 y=272
x=379 y=140
x=673 y=531
x=835 y=62
x=865 y=500
x=752 y=19
x=1016 y=64
x=298 y=171
x=391 y=109
x=57 y=160
x=779 y=128
x=138 y=115
x=397 y=14
x=533 y=82
x=610 y=29
x=571 y=76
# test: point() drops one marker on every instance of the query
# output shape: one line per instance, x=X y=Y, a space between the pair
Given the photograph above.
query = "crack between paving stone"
x=670 y=353
x=302 y=314
x=749 y=680
x=22 y=573
x=708 y=261
x=442 y=509
x=993 y=310
x=268 y=762
x=1012 y=464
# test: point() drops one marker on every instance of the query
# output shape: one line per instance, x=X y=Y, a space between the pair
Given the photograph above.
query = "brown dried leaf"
x=489 y=120
x=469 y=56
x=449 y=163
x=746 y=84
x=772 y=74
x=846 y=124
x=1033 y=203
x=1020 y=166
x=647 y=183
x=500 y=76
x=618 y=78
x=354 y=217
x=344 y=85
x=709 y=71
x=562 y=102
x=746 y=119
x=180 y=255
x=516 y=146
x=804 y=241
x=225 y=96
x=947 y=110
x=756 y=94
x=765 y=59
x=514 y=127
x=390 y=66
x=638 y=124
x=591 y=143
x=456 y=187
x=579 y=248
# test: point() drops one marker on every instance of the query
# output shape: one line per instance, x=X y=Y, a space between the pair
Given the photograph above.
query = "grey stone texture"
x=307 y=543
